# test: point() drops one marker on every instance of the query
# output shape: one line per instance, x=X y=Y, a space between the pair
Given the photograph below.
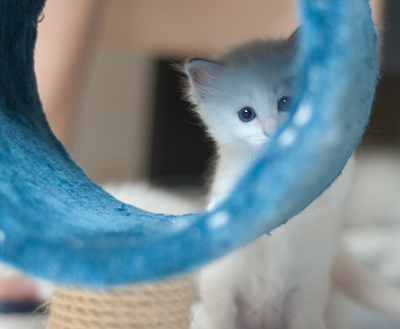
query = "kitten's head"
x=244 y=94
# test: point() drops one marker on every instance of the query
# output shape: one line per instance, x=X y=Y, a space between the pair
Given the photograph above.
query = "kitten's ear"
x=202 y=73
x=292 y=44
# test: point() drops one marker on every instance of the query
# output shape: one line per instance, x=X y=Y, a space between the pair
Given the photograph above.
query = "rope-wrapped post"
x=162 y=305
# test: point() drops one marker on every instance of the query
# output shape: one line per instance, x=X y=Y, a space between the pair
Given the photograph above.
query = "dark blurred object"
x=391 y=40
x=181 y=151
x=384 y=127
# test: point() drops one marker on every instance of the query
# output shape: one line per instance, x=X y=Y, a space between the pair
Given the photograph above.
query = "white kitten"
x=282 y=280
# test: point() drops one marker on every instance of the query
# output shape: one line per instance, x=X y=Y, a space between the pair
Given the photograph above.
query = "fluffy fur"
x=282 y=280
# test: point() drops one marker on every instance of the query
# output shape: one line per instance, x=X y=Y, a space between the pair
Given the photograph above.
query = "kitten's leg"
x=200 y=318
x=217 y=288
x=218 y=304
x=306 y=305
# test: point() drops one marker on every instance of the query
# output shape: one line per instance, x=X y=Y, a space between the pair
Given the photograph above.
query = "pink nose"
x=269 y=125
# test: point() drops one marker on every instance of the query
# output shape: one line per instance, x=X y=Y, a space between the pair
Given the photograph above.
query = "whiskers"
x=227 y=147
x=248 y=153
x=240 y=153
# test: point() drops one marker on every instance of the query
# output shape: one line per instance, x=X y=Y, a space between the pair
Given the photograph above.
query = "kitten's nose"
x=269 y=126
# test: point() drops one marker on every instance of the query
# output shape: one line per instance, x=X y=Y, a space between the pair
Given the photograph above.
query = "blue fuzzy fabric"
x=57 y=224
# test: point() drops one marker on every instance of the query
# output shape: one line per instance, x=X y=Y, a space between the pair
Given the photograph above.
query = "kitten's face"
x=243 y=99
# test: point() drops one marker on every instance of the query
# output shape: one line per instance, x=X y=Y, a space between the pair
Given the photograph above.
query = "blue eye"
x=284 y=104
x=246 y=114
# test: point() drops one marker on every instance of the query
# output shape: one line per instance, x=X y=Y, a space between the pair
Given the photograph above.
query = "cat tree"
x=57 y=224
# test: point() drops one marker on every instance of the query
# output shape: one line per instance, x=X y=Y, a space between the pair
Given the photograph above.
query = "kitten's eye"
x=246 y=114
x=284 y=104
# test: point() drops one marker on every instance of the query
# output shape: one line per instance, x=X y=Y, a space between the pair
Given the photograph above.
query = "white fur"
x=283 y=280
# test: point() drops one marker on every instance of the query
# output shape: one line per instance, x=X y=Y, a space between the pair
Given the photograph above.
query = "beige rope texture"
x=162 y=305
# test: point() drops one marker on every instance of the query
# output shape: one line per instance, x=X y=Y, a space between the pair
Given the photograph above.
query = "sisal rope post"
x=161 y=305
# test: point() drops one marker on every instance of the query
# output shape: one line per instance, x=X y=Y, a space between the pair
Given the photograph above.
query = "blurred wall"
x=112 y=134
x=181 y=27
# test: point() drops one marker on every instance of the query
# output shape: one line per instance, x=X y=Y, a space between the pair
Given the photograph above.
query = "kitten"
x=282 y=280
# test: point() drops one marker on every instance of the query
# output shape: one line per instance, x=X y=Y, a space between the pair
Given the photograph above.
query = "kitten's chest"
x=262 y=275
x=274 y=265
x=226 y=175
x=271 y=270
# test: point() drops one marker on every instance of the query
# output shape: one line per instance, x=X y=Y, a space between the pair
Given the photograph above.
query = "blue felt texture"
x=57 y=224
